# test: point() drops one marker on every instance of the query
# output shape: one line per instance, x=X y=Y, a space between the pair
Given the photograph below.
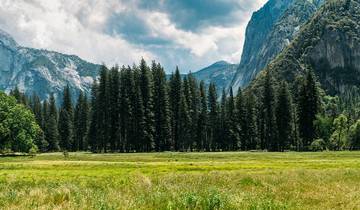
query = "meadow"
x=233 y=180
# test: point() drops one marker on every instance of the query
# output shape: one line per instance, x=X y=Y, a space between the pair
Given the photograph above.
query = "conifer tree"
x=36 y=108
x=184 y=120
x=268 y=103
x=92 y=132
x=138 y=132
x=202 y=125
x=284 y=117
x=114 y=108
x=66 y=121
x=162 y=135
x=242 y=143
x=81 y=123
x=232 y=122
x=127 y=109
x=194 y=108
x=175 y=104
x=307 y=109
x=251 y=133
x=146 y=88
x=213 y=117
x=103 y=115
x=51 y=124
x=223 y=126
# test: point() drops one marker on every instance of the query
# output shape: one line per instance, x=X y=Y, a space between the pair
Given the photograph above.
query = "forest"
x=137 y=109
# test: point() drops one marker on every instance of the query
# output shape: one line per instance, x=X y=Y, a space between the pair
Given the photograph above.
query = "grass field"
x=328 y=180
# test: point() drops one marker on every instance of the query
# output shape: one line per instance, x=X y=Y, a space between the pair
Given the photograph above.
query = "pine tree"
x=184 y=119
x=92 y=132
x=103 y=114
x=80 y=123
x=202 y=125
x=194 y=108
x=162 y=135
x=114 y=108
x=127 y=109
x=223 y=126
x=36 y=108
x=232 y=123
x=175 y=104
x=241 y=122
x=138 y=132
x=284 y=117
x=146 y=88
x=307 y=109
x=268 y=103
x=251 y=122
x=213 y=117
x=66 y=121
x=51 y=124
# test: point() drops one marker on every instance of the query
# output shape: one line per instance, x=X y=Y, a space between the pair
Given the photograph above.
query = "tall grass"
x=329 y=180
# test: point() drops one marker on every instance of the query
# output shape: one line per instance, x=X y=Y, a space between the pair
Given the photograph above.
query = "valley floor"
x=235 y=180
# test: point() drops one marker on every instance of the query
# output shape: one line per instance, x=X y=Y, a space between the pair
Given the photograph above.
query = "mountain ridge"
x=278 y=35
x=42 y=71
x=329 y=44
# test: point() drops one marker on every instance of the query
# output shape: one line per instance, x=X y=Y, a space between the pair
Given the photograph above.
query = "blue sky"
x=189 y=33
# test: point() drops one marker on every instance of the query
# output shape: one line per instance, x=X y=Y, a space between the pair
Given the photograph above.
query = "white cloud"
x=54 y=25
x=77 y=27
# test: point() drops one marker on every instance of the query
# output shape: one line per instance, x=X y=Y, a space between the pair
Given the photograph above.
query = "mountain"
x=269 y=31
x=219 y=73
x=329 y=44
x=42 y=71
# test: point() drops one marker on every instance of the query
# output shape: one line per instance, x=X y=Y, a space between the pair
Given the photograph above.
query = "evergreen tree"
x=138 y=132
x=51 y=124
x=36 y=108
x=66 y=121
x=162 y=135
x=242 y=141
x=127 y=110
x=307 y=109
x=202 y=125
x=284 y=117
x=114 y=108
x=268 y=103
x=213 y=117
x=184 y=119
x=251 y=132
x=194 y=109
x=92 y=132
x=146 y=88
x=81 y=123
x=103 y=114
x=175 y=104
x=223 y=126
x=232 y=123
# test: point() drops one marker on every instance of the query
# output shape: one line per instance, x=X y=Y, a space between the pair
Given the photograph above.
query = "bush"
x=318 y=145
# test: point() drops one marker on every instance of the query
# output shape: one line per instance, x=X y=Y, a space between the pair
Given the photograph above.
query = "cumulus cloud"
x=187 y=33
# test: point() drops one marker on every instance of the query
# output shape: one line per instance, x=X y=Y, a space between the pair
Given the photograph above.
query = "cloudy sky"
x=189 y=33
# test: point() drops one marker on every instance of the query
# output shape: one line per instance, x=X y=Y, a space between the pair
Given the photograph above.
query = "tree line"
x=137 y=109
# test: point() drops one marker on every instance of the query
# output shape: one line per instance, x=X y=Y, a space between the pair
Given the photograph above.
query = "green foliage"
x=354 y=135
x=18 y=128
x=318 y=145
x=338 y=139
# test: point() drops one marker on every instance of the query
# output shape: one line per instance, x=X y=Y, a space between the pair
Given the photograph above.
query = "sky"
x=191 y=34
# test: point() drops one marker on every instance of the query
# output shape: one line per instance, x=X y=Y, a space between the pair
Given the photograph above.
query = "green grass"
x=237 y=180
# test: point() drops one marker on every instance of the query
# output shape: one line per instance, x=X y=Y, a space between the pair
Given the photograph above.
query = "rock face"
x=329 y=44
x=269 y=31
x=219 y=73
x=42 y=71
